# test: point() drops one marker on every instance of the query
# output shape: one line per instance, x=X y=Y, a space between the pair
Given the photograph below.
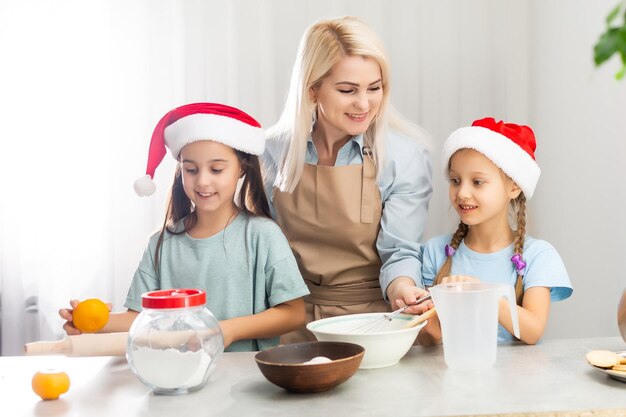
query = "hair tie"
x=449 y=250
x=520 y=264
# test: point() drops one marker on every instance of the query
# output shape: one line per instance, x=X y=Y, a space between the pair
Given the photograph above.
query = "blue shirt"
x=544 y=268
x=405 y=190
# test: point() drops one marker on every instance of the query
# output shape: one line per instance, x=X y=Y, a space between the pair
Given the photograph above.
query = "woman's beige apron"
x=332 y=220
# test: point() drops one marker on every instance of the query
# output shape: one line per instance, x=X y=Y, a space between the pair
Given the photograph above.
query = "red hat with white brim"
x=509 y=146
x=196 y=122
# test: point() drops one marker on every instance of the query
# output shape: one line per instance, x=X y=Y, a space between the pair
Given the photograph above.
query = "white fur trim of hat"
x=510 y=153
x=196 y=122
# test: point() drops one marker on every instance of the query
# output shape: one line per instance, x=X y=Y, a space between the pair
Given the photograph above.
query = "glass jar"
x=174 y=343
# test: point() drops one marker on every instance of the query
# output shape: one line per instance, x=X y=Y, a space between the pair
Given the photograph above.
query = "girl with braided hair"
x=492 y=172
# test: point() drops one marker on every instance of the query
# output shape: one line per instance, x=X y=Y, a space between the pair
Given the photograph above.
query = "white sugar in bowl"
x=175 y=342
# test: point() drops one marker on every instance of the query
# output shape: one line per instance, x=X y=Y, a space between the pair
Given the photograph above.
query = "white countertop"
x=551 y=376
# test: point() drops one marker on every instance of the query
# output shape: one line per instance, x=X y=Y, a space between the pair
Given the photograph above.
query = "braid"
x=520 y=204
x=457 y=238
x=520 y=233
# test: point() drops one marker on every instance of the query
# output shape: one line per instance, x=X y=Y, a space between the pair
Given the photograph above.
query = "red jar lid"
x=173 y=298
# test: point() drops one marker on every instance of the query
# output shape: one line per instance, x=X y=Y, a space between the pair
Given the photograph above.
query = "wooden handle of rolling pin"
x=112 y=344
x=421 y=318
x=97 y=344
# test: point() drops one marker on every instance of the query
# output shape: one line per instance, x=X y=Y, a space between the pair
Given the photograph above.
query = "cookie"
x=603 y=358
x=621 y=368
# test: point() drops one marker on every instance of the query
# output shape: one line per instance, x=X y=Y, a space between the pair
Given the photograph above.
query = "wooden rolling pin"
x=114 y=344
x=96 y=344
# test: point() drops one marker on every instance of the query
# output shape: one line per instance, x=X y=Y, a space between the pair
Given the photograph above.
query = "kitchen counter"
x=549 y=377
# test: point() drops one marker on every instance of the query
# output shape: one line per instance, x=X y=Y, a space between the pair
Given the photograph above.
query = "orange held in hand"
x=90 y=315
x=50 y=384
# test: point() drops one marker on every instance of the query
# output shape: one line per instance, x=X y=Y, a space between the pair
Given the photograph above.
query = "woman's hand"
x=402 y=291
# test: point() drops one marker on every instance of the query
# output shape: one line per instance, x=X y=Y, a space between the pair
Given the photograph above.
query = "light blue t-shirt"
x=544 y=268
x=405 y=190
x=245 y=269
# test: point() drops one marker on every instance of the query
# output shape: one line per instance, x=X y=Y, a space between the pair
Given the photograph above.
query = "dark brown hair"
x=251 y=200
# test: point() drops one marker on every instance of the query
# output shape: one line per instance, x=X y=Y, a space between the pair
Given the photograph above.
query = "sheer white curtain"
x=82 y=83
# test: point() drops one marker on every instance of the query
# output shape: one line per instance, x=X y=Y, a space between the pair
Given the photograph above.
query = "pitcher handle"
x=509 y=293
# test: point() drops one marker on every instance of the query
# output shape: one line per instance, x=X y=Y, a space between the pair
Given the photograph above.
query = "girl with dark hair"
x=217 y=236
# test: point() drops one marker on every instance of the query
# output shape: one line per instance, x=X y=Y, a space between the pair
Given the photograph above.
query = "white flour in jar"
x=170 y=368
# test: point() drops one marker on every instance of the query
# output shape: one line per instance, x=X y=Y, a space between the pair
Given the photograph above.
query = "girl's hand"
x=225 y=325
x=66 y=314
x=275 y=321
x=459 y=278
x=431 y=333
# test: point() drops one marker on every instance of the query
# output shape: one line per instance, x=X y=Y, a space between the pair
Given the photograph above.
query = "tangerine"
x=50 y=384
x=90 y=315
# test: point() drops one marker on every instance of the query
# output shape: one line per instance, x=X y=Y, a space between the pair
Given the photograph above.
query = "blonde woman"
x=349 y=181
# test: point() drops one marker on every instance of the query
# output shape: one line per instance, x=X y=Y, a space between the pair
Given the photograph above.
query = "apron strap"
x=342 y=295
x=369 y=175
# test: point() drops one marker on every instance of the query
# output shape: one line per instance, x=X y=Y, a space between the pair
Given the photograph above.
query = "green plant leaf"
x=620 y=74
x=613 y=14
x=622 y=37
x=607 y=45
x=613 y=40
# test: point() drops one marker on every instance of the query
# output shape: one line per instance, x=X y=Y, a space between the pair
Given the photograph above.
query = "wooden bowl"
x=284 y=365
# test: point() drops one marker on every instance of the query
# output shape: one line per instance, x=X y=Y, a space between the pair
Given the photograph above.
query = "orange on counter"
x=50 y=384
x=90 y=315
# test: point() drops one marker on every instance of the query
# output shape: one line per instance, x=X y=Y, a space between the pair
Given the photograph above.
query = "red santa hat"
x=195 y=122
x=509 y=146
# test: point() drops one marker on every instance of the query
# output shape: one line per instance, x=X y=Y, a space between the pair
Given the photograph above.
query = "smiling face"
x=479 y=191
x=349 y=97
x=210 y=171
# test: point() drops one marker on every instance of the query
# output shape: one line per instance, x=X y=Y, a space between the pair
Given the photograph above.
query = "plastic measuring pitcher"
x=468 y=312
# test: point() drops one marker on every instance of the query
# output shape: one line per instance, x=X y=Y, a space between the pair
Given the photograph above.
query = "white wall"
x=579 y=113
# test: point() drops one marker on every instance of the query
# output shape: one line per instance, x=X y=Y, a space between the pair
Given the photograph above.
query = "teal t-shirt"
x=544 y=268
x=245 y=269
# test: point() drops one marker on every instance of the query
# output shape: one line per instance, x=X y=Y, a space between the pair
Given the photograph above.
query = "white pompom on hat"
x=509 y=146
x=196 y=122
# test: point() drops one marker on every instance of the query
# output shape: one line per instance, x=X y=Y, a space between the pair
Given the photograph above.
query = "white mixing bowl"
x=385 y=342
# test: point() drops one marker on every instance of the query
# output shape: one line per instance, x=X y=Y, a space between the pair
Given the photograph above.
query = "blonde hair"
x=324 y=44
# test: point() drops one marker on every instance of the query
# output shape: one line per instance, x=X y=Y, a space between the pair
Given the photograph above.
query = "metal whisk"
x=373 y=325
